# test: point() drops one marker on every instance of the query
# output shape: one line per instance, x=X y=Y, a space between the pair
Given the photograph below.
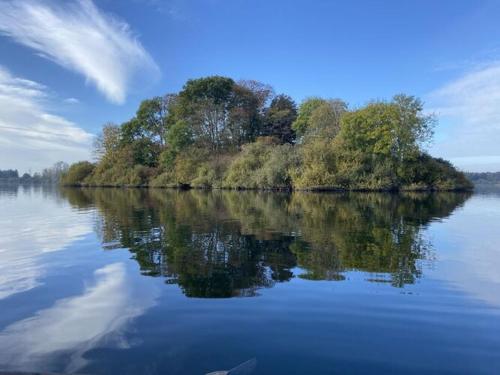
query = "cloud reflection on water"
x=75 y=325
x=470 y=253
x=29 y=227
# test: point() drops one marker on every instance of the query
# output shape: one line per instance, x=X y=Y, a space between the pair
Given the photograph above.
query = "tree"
x=9 y=174
x=382 y=140
x=279 y=117
x=53 y=174
x=324 y=121
x=205 y=104
x=306 y=108
x=179 y=137
x=244 y=116
x=152 y=117
x=216 y=88
x=145 y=151
x=414 y=129
x=108 y=142
x=146 y=133
x=25 y=178
x=394 y=129
x=261 y=91
x=76 y=174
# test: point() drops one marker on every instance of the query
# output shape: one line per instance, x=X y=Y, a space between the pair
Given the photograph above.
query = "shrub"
x=77 y=173
x=262 y=165
x=165 y=179
x=318 y=165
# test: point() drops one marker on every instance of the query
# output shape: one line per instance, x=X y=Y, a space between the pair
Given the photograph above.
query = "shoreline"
x=277 y=190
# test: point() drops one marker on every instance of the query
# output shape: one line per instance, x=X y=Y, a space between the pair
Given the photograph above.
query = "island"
x=221 y=134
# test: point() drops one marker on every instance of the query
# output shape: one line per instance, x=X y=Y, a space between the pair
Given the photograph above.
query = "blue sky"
x=66 y=68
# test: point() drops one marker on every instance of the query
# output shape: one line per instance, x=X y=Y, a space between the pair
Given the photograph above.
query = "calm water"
x=117 y=281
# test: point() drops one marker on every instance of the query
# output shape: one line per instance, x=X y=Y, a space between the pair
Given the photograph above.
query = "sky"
x=68 y=67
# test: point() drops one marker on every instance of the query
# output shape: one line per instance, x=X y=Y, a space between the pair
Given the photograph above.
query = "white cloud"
x=470 y=119
x=71 y=101
x=30 y=136
x=79 y=37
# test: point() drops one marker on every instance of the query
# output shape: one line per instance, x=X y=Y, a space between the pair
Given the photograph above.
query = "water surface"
x=108 y=281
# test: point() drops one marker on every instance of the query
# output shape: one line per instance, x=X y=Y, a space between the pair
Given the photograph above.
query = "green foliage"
x=263 y=165
x=427 y=172
x=108 y=142
x=394 y=130
x=179 y=138
x=370 y=129
x=306 y=108
x=243 y=172
x=221 y=114
x=77 y=173
x=217 y=89
x=244 y=116
x=218 y=133
x=318 y=169
x=319 y=118
x=194 y=167
x=279 y=118
x=324 y=121
x=138 y=175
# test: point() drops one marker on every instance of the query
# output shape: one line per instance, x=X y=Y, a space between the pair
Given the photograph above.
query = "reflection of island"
x=227 y=243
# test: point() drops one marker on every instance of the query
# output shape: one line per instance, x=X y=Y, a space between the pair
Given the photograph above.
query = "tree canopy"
x=219 y=133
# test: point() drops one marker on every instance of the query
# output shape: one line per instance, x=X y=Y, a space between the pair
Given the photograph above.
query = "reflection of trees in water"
x=229 y=243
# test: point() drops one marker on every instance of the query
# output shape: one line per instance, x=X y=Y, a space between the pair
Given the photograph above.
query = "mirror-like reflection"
x=216 y=244
x=103 y=281
x=64 y=332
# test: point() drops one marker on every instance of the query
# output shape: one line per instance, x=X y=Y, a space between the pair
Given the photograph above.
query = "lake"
x=137 y=281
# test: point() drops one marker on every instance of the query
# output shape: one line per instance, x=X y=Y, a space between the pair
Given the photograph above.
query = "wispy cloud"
x=170 y=8
x=79 y=37
x=470 y=116
x=30 y=136
x=71 y=101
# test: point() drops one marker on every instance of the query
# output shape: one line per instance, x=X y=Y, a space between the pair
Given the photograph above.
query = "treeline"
x=218 y=133
x=50 y=175
x=485 y=180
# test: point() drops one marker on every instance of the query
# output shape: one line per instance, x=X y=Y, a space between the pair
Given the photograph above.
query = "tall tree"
x=279 y=117
x=414 y=128
x=306 y=108
x=244 y=117
x=261 y=91
x=324 y=121
x=395 y=130
x=150 y=120
x=108 y=142
x=205 y=104
x=146 y=133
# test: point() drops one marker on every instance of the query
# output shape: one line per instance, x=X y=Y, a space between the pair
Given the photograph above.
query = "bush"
x=318 y=166
x=194 y=167
x=163 y=180
x=77 y=173
x=262 y=165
